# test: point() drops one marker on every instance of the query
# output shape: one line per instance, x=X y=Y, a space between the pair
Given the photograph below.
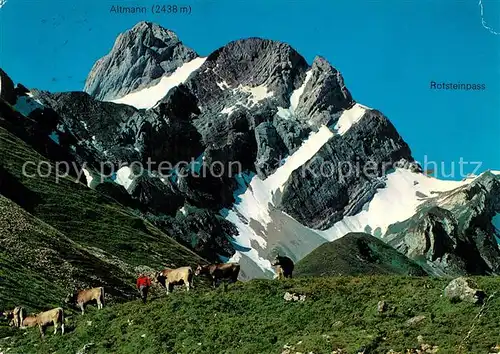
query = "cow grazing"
x=218 y=272
x=284 y=266
x=29 y=321
x=179 y=276
x=82 y=297
x=54 y=316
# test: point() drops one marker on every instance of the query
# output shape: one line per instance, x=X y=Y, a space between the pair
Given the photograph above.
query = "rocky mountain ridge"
x=284 y=135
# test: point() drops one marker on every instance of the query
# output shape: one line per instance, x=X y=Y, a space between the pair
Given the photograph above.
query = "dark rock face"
x=205 y=232
x=324 y=95
x=270 y=149
x=250 y=62
x=7 y=88
x=138 y=59
x=292 y=133
x=107 y=128
x=453 y=234
x=159 y=196
x=343 y=175
x=118 y=193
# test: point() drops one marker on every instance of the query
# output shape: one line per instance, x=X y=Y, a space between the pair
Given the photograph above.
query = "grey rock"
x=344 y=173
x=382 y=306
x=452 y=232
x=250 y=62
x=414 y=321
x=160 y=196
x=325 y=94
x=205 y=232
x=270 y=149
x=139 y=58
x=294 y=297
x=292 y=133
x=7 y=88
x=464 y=289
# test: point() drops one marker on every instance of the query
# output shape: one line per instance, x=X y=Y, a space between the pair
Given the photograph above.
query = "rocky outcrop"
x=343 y=175
x=270 y=149
x=453 y=233
x=251 y=62
x=325 y=94
x=139 y=58
x=157 y=195
x=464 y=289
x=7 y=88
x=207 y=233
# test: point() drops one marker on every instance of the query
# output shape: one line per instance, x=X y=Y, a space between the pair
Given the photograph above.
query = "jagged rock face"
x=205 y=232
x=452 y=233
x=327 y=189
x=324 y=95
x=105 y=127
x=139 y=58
x=7 y=88
x=270 y=149
x=159 y=196
x=120 y=134
x=250 y=62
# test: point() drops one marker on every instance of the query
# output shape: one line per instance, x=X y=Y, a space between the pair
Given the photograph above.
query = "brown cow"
x=29 y=321
x=284 y=266
x=82 y=297
x=179 y=276
x=218 y=272
x=54 y=316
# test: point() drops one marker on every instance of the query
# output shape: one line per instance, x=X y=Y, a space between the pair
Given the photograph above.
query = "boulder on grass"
x=464 y=289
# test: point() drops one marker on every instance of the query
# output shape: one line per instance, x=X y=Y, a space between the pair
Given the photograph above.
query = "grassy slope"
x=353 y=254
x=339 y=312
x=91 y=220
x=38 y=264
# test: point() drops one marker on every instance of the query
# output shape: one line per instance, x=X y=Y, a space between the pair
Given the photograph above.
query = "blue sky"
x=388 y=51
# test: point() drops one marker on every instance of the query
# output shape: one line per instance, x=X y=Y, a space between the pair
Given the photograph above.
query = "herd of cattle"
x=168 y=278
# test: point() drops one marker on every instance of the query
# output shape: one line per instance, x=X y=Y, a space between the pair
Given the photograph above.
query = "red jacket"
x=143 y=281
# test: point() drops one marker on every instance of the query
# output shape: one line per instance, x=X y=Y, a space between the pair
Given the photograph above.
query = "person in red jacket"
x=143 y=284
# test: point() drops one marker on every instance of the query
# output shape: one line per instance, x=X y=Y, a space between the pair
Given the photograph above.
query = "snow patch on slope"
x=349 y=117
x=148 y=97
x=93 y=179
x=295 y=97
x=398 y=201
x=257 y=94
x=254 y=198
x=125 y=177
x=287 y=113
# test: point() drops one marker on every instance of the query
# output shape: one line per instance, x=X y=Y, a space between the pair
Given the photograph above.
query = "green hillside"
x=68 y=234
x=253 y=317
x=355 y=254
